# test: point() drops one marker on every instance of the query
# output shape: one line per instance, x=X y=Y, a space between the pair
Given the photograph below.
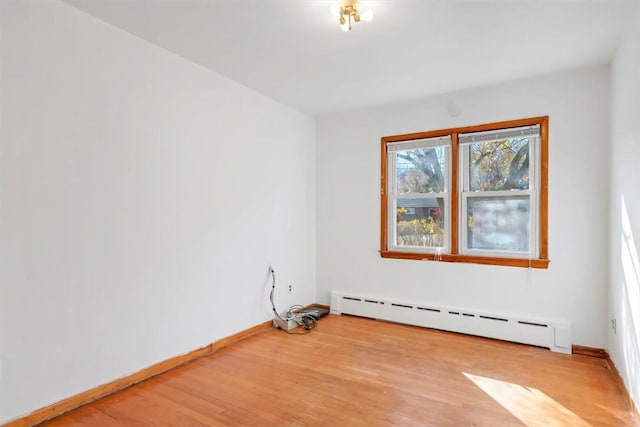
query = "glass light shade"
x=345 y=26
x=367 y=15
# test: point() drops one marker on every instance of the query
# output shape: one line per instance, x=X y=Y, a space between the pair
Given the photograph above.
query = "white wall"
x=624 y=277
x=573 y=287
x=142 y=198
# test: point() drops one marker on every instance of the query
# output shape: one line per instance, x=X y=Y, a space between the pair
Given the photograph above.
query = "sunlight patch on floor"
x=529 y=405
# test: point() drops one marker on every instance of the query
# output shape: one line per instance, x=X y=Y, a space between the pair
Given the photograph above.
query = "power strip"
x=288 y=324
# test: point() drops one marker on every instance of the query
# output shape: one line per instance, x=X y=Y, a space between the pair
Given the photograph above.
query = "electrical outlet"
x=290 y=288
x=613 y=325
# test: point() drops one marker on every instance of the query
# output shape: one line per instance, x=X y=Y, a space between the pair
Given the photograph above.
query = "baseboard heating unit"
x=554 y=335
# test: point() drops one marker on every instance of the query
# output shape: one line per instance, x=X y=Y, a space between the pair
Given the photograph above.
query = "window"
x=419 y=194
x=475 y=194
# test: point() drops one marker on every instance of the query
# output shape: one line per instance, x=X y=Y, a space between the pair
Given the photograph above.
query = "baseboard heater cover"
x=554 y=335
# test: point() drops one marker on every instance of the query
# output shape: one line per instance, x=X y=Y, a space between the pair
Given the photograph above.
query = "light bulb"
x=335 y=8
x=345 y=27
x=367 y=15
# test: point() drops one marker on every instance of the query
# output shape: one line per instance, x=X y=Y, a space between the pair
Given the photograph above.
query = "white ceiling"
x=294 y=51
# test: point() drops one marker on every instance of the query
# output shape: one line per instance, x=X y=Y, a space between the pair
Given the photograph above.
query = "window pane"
x=499 y=165
x=420 y=222
x=421 y=170
x=498 y=223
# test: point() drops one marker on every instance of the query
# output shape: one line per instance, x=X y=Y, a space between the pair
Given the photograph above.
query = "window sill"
x=509 y=262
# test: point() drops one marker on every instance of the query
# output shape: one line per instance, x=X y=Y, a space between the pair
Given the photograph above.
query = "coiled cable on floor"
x=306 y=321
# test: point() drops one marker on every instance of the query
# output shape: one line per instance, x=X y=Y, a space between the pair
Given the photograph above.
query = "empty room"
x=319 y=212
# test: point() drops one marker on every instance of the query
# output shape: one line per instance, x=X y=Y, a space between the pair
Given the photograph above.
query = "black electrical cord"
x=273 y=288
x=307 y=322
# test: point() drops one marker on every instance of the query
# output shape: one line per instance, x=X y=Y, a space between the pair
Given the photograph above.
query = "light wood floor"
x=352 y=371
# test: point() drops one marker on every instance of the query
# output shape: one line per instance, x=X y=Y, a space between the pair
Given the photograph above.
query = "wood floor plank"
x=352 y=371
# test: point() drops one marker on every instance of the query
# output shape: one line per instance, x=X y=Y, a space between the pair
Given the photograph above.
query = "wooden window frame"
x=541 y=261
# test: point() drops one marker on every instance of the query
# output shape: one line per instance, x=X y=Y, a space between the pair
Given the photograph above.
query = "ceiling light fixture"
x=348 y=12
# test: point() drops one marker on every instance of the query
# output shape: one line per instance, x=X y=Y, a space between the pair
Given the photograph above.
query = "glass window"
x=498 y=223
x=418 y=194
x=499 y=165
x=473 y=194
x=420 y=222
x=420 y=170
